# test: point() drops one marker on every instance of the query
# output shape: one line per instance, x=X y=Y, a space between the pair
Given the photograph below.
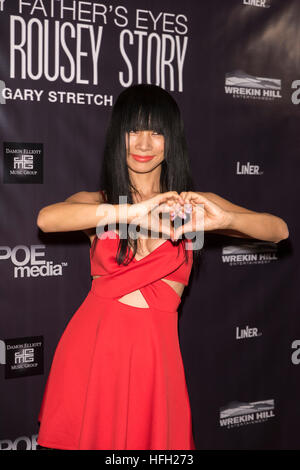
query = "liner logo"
x=243 y=333
x=28 y=263
x=239 y=84
x=23 y=162
x=248 y=169
x=250 y=253
x=258 y=3
x=240 y=413
x=22 y=356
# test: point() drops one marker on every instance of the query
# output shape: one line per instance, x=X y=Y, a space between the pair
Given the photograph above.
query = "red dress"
x=117 y=379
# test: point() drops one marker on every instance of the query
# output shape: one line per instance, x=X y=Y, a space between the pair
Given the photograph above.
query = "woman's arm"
x=72 y=215
x=87 y=197
x=245 y=223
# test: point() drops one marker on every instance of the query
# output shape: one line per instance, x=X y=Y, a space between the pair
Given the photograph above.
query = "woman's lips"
x=139 y=158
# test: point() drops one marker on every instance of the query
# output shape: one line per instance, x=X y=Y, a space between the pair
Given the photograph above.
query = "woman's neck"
x=146 y=184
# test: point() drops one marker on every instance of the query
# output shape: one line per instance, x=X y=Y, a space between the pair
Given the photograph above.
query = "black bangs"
x=145 y=120
x=147 y=107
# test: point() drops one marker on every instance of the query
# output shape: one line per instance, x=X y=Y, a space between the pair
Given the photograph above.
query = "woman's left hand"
x=205 y=215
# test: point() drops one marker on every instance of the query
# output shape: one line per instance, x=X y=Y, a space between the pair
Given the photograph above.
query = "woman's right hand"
x=150 y=218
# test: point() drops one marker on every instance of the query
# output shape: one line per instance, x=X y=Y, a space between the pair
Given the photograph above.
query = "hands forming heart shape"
x=188 y=212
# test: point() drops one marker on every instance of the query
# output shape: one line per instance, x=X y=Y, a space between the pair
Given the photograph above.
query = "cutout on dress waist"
x=136 y=298
x=140 y=299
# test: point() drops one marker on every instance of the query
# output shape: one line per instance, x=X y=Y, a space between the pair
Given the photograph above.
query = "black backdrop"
x=233 y=68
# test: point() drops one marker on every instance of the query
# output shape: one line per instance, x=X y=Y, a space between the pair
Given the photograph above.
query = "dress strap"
x=103 y=194
x=139 y=274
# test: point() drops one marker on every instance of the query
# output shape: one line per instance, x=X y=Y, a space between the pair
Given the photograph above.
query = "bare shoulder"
x=87 y=197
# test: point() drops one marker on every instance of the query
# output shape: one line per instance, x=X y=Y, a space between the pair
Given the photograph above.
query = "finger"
x=188 y=197
x=198 y=198
x=162 y=197
x=188 y=208
x=163 y=208
x=168 y=195
x=183 y=195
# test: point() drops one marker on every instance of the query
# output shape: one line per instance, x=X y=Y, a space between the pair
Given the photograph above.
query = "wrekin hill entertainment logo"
x=249 y=253
x=23 y=162
x=239 y=413
x=239 y=84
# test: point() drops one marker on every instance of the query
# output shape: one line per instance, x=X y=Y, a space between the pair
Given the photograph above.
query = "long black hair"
x=144 y=107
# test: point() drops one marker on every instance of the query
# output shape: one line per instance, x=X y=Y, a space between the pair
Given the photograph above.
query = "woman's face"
x=145 y=150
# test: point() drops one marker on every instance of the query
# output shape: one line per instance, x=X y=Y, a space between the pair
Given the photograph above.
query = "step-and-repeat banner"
x=234 y=69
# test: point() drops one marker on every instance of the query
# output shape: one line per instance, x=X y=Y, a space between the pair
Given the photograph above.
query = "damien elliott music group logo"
x=22 y=162
x=239 y=84
x=22 y=356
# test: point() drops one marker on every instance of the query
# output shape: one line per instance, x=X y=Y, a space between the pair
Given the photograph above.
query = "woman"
x=125 y=388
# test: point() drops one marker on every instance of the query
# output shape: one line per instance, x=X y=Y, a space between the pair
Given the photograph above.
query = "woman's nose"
x=144 y=140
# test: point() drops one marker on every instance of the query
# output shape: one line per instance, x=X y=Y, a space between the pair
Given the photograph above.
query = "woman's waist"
x=158 y=295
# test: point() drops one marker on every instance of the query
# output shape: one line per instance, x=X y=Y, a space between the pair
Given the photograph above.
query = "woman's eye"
x=135 y=131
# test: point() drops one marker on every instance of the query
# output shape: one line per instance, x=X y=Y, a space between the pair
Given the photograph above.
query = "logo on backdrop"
x=23 y=162
x=247 y=169
x=244 y=333
x=258 y=3
x=29 y=262
x=240 y=413
x=22 y=356
x=21 y=443
x=258 y=252
x=296 y=353
x=239 y=84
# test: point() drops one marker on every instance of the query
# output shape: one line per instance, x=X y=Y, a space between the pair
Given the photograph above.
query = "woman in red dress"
x=124 y=387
